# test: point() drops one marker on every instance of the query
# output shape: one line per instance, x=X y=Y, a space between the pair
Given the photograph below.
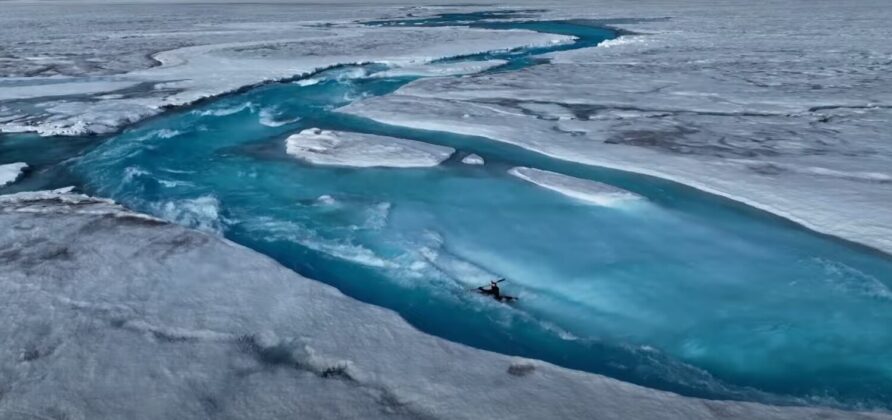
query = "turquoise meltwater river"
x=682 y=291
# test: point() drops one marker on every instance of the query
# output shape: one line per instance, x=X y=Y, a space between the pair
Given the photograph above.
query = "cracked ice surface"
x=323 y=147
x=785 y=107
x=103 y=307
x=58 y=82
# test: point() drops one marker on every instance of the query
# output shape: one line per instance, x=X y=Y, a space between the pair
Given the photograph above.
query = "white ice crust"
x=339 y=148
x=118 y=315
x=581 y=189
x=784 y=107
x=11 y=172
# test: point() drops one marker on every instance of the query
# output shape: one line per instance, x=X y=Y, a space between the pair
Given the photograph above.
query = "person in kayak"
x=493 y=289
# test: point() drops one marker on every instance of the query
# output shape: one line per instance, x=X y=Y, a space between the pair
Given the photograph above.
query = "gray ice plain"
x=113 y=314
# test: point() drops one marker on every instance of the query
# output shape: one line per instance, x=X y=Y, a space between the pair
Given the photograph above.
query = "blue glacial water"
x=684 y=292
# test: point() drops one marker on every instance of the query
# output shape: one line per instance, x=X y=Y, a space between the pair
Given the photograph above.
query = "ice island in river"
x=323 y=147
x=407 y=154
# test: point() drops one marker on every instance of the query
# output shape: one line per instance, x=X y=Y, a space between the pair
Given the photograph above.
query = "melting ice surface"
x=683 y=291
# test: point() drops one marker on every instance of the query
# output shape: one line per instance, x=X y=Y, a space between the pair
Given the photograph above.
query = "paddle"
x=497 y=281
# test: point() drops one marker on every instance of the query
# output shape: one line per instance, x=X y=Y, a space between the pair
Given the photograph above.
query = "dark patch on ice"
x=210 y=405
x=766 y=169
x=57 y=252
x=832 y=107
x=136 y=219
x=30 y=354
x=165 y=246
x=32 y=252
x=337 y=371
x=170 y=338
x=676 y=140
x=574 y=133
x=283 y=354
x=7 y=256
x=521 y=369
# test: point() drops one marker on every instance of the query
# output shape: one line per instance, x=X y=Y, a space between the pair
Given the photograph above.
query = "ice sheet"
x=123 y=305
x=322 y=147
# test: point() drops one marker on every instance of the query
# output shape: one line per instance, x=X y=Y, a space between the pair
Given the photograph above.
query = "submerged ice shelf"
x=734 y=308
x=581 y=189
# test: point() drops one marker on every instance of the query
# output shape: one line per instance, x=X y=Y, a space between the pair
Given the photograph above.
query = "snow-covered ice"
x=785 y=107
x=173 y=65
x=323 y=147
x=11 y=172
x=580 y=189
x=103 y=307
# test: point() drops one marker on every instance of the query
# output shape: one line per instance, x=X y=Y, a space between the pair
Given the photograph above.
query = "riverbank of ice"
x=209 y=328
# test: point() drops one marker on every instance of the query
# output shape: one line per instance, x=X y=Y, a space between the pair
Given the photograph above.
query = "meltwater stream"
x=682 y=291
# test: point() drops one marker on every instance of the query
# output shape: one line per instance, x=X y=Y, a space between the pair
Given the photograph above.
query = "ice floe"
x=581 y=189
x=11 y=172
x=472 y=159
x=322 y=147
x=233 y=332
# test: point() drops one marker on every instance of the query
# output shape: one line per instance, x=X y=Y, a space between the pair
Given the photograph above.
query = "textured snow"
x=785 y=106
x=59 y=83
x=323 y=147
x=580 y=189
x=11 y=172
x=103 y=307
